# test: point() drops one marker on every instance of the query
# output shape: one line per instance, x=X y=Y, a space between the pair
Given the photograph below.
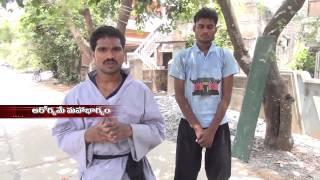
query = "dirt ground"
x=54 y=84
x=302 y=162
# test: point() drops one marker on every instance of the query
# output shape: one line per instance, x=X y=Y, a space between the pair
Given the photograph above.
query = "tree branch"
x=80 y=41
x=240 y=52
x=282 y=17
x=279 y=21
x=124 y=15
x=88 y=20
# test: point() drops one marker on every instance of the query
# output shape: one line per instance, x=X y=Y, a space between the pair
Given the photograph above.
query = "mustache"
x=110 y=60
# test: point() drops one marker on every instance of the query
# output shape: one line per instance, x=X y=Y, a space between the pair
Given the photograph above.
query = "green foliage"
x=264 y=11
x=4 y=3
x=181 y=11
x=51 y=44
x=13 y=43
x=310 y=31
x=6 y=36
x=104 y=11
x=46 y=41
x=222 y=38
x=45 y=26
x=4 y=51
x=304 y=60
x=25 y=59
x=190 y=40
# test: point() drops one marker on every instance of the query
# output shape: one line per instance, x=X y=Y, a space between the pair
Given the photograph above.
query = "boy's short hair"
x=206 y=13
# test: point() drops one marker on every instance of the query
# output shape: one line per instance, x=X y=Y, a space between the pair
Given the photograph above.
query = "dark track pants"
x=189 y=154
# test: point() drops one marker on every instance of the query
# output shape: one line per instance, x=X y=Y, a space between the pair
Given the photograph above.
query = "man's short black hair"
x=207 y=13
x=106 y=31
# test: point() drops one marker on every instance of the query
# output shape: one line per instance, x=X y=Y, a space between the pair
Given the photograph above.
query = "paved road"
x=28 y=152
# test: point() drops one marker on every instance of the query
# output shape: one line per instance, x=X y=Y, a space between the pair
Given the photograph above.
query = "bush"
x=305 y=60
x=51 y=43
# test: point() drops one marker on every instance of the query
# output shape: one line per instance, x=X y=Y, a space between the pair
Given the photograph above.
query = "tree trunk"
x=80 y=41
x=84 y=47
x=240 y=52
x=124 y=15
x=86 y=56
x=87 y=63
x=277 y=108
x=88 y=20
x=277 y=100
